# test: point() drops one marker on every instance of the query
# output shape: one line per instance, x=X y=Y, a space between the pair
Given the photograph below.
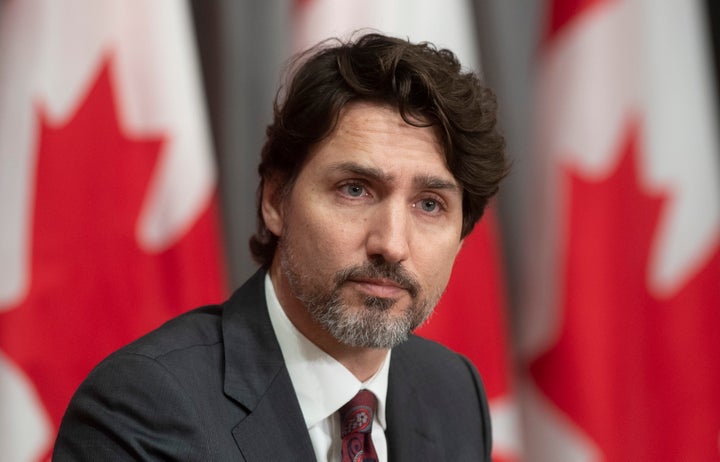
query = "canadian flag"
x=470 y=318
x=623 y=301
x=107 y=196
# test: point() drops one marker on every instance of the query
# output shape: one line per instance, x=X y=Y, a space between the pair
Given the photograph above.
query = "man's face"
x=369 y=232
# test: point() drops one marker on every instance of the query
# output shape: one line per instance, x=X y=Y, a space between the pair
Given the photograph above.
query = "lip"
x=381 y=288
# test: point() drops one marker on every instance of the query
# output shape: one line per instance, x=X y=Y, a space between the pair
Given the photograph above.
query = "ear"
x=272 y=204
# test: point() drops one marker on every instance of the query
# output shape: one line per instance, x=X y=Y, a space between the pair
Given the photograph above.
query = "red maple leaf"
x=92 y=288
x=639 y=373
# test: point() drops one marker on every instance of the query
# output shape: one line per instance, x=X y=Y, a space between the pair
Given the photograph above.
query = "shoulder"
x=162 y=397
x=431 y=373
x=432 y=366
x=158 y=398
x=201 y=327
x=185 y=349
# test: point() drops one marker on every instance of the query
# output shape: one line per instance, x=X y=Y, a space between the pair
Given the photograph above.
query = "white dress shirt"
x=323 y=385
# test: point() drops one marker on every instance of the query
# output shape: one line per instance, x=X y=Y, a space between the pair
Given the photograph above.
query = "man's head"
x=427 y=87
x=381 y=158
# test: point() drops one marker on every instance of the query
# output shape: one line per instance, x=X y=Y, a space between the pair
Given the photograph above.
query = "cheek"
x=326 y=240
x=436 y=262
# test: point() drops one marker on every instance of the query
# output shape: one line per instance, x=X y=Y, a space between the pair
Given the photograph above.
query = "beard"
x=375 y=324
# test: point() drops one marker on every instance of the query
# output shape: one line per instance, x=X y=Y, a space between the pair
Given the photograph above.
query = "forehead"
x=376 y=135
x=361 y=122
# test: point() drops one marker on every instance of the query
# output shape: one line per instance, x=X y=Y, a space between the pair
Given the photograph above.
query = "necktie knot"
x=356 y=419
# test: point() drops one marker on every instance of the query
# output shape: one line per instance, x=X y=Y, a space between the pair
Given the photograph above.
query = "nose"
x=389 y=232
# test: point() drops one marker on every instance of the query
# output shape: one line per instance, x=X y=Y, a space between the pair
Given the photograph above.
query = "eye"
x=430 y=205
x=354 y=190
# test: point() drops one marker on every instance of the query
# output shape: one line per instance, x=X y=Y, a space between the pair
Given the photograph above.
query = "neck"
x=362 y=362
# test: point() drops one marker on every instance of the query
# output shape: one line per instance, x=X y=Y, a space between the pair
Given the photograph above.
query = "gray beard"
x=373 y=327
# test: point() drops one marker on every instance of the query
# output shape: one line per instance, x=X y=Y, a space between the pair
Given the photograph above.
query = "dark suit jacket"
x=211 y=385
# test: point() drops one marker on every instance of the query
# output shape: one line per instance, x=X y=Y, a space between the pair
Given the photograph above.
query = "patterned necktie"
x=356 y=419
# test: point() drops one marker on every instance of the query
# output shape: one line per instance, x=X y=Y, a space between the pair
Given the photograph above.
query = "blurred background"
x=588 y=296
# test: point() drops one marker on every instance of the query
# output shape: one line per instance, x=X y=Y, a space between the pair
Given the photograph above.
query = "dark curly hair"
x=426 y=85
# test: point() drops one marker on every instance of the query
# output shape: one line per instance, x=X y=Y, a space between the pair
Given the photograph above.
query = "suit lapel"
x=410 y=433
x=256 y=377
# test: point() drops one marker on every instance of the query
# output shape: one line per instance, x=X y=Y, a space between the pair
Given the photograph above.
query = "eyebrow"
x=361 y=170
x=434 y=182
x=420 y=182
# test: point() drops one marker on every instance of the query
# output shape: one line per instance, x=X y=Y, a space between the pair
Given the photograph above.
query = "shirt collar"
x=322 y=384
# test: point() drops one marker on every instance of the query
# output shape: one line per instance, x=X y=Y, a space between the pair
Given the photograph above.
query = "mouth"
x=379 y=288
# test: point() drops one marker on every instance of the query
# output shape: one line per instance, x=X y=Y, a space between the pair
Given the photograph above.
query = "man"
x=381 y=158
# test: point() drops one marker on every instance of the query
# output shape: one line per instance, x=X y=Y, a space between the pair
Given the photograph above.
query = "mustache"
x=380 y=270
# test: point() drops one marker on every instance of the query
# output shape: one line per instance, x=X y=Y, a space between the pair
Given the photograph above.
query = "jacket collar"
x=256 y=377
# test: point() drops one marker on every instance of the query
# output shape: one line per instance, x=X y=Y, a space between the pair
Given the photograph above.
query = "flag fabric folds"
x=623 y=252
x=107 y=193
x=470 y=318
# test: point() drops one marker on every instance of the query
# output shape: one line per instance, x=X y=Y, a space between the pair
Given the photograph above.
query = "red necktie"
x=356 y=419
